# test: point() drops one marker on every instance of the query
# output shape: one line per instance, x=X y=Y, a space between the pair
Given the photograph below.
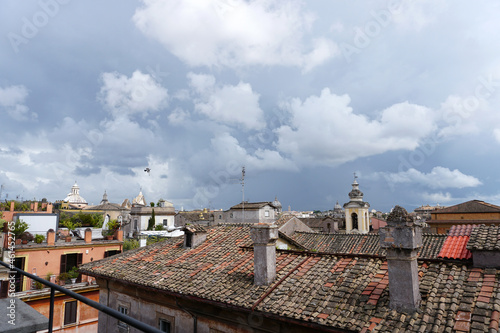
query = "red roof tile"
x=455 y=245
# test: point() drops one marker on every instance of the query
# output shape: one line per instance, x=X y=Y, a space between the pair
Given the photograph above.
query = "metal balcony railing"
x=107 y=310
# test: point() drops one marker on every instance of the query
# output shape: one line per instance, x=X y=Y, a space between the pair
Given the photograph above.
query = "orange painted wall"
x=466 y=216
x=86 y=318
x=43 y=260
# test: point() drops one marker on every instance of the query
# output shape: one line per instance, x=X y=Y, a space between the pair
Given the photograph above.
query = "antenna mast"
x=243 y=193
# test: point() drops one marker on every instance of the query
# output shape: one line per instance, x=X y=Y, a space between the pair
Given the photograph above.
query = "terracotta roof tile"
x=485 y=237
x=345 y=293
x=472 y=206
x=366 y=244
x=455 y=245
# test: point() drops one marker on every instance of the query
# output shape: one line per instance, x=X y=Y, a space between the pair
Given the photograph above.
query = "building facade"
x=470 y=212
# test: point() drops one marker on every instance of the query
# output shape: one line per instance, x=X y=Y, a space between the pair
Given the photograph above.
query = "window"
x=70 y=312
x=19 y=278
x=111 y=253
x=189 y=239
x=123 y=310
x=68 y=261
x=220 y=217
x=354 y=218
x=164 y=325
x=266 y=213
x=165 y=222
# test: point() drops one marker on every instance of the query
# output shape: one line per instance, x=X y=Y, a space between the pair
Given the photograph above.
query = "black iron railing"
x=107 y=310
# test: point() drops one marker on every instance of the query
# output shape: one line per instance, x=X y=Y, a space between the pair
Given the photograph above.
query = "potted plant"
x=112 y=226
x=73 y=274
x=71 y=227
x=39 y=238
x=62 y=278
x=26 y=237
x=20 y=228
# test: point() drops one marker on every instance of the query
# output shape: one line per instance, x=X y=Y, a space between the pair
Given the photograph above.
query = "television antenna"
x=242 y=182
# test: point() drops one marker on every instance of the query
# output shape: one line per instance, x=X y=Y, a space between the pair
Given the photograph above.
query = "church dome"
x=276 y=203
x=74 y=196
x=139 y=200
x=356 y=194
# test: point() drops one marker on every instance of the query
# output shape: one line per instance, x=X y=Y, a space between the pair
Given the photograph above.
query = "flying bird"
x=147 y=170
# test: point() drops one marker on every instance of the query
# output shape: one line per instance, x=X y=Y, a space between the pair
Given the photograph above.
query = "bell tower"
x=357 y=218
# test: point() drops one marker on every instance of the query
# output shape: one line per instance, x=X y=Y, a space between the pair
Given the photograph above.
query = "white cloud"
x=416 y=15
x=227 y=104
x=228 y=150
x=439 y=177
x=324 y=130
x=438 y=197
x=13 y=99
x=138 y=94
x=496 y=134
x=234 y=33
x=178 y=116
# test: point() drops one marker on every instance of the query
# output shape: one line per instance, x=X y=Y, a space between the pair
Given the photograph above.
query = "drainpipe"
x=195 y=319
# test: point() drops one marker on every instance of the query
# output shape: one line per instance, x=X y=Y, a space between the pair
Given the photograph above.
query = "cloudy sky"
x=302 y=93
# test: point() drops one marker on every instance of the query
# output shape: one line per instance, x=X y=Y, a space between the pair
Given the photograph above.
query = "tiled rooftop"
x=367 y=244
x=252 y=205
x=472 y=206
x=485 y=238
x=455 y=246
x=345 y=293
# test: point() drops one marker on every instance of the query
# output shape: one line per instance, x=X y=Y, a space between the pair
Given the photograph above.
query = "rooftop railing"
x=107 y=310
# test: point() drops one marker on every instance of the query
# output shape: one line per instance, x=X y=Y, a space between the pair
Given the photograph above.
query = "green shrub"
x=130 y=244
x=39 y=238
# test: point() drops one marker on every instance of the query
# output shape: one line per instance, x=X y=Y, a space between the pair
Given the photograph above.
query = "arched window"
x=354 y=218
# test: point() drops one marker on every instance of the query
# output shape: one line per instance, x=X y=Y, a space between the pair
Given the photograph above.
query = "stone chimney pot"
x=402 y=238
x=264 y=237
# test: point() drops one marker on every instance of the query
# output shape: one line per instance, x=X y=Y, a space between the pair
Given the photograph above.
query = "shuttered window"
x=70 y=309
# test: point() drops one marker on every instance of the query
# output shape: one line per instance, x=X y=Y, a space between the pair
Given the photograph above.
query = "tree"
x=151 y=221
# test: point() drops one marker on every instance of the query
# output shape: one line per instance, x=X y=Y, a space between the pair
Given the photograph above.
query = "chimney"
x=194 y=235
x=51 y=237
x=35 y=206
x=12 y=206
x=402 y=238
x=264 y=236
x=88 y=236
x=118 y=235
x=49 y=208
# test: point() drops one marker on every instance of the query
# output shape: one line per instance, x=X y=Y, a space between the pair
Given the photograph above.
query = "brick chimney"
x=118 y=235
x=264 y=236
x=35 y=206
x=51 y=237
x=402 y=238
x=88 y=236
